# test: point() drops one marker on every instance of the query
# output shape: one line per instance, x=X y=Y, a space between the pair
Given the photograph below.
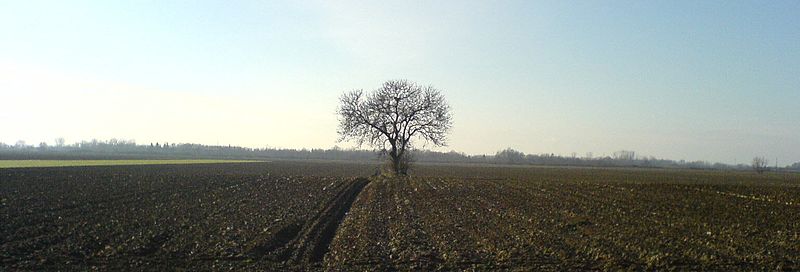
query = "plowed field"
x=329 y=216
x=573 y=219
x=214 y=216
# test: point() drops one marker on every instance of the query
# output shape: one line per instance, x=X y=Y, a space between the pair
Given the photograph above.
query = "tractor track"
x=307 y=242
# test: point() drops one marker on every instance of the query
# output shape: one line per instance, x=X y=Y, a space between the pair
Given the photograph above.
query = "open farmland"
x=64 y=163
x=303 y=215
x=574 y=219
x=195 y=216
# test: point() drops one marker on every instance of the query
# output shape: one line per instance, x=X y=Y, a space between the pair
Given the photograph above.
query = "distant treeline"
x=129 y=149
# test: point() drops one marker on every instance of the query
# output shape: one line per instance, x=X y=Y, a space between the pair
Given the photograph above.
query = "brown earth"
x=321 y=216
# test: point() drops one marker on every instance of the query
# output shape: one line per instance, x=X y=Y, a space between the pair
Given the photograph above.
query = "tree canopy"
x=393 y=116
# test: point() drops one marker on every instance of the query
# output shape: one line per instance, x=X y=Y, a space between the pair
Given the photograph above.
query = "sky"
x=695 y=80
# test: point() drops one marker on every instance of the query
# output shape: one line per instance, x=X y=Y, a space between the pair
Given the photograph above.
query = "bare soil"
x=325 y=216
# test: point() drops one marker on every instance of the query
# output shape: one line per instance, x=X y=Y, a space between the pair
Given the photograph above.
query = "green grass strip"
x=65 y=163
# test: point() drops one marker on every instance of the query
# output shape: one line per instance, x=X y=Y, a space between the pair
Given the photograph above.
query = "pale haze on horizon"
x=696 y=80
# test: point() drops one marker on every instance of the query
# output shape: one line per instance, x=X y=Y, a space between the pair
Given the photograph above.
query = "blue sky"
x=694 y=80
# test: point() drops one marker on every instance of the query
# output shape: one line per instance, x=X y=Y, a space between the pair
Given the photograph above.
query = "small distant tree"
x=625 y=155
x=760 y=164
x=510 y=156
x=60 y=142
x=392 y=117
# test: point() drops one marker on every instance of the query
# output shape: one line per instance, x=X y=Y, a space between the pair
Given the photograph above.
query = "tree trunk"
x=396 y=165
x=394 y=159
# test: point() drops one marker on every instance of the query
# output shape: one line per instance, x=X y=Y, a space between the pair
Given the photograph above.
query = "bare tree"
x=60 y=142
x=759 y=164
x=625 y=155
x=392 y=116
